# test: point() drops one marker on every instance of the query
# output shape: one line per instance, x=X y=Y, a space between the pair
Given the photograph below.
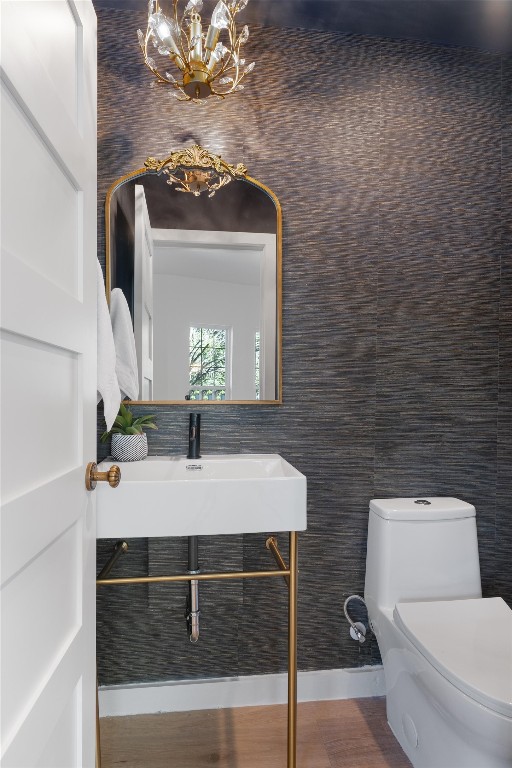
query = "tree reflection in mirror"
x=208 y=364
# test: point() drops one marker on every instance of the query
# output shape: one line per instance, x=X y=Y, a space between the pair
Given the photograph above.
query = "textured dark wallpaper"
x=393 y=162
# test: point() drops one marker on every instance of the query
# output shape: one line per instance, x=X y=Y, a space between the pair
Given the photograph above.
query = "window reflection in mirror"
x=202 y=278
x=209 y=368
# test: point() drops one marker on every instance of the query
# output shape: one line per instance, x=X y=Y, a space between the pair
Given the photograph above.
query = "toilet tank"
x=421 y=549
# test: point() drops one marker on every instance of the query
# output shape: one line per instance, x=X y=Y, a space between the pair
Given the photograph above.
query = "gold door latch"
x=92 y=476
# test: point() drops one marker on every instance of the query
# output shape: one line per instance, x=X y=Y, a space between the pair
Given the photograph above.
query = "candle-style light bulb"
x=221 y=18
x=167 y=32
x=196 y=37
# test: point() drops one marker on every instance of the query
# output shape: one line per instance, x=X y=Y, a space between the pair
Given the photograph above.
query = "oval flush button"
x=410 y=732
x=423 y=501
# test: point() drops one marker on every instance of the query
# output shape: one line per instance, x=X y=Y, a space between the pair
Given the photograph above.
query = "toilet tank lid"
x=422 y=508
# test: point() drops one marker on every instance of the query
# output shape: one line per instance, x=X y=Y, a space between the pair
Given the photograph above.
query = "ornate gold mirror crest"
x=196 y=170
x=194 y=264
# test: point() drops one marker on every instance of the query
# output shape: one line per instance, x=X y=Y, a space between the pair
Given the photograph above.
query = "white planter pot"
x=129 y=447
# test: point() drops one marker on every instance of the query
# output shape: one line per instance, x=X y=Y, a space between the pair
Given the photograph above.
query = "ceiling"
x=226 y=264
x=485 y=24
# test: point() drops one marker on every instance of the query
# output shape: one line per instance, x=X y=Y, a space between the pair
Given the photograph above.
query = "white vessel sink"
x=175 y=496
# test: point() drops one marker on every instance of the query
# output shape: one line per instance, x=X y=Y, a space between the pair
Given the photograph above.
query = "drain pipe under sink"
x=192 y=609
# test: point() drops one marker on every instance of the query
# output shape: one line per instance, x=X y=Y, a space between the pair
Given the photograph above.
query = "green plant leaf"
x=142 y=427
x=144 y=421
x=125 y=424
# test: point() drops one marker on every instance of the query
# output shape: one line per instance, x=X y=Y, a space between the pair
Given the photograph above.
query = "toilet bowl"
x=446 y=651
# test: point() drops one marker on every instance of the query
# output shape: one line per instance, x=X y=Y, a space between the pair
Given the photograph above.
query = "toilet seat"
x=468 y=641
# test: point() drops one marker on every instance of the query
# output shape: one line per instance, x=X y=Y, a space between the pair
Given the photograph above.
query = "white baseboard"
x=248 y=691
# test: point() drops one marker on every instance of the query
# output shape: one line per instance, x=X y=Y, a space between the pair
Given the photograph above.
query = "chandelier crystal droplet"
x=206 y=66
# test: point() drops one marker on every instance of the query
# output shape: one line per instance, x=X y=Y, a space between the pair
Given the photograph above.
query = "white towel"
x=108 y=387
x=126 y=354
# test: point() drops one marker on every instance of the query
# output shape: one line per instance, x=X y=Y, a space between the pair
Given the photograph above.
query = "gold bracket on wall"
x=272 y=546
x=120 y=548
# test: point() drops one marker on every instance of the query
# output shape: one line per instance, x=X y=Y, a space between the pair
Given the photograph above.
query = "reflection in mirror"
x=202 y=278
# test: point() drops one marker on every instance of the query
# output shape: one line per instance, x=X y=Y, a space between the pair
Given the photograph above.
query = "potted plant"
x=129 y=441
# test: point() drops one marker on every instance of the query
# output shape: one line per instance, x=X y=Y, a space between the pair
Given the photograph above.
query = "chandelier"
x=196 y=170
x=206 y=66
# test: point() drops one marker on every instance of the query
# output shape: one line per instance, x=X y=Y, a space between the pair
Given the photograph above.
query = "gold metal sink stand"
x=290 y=575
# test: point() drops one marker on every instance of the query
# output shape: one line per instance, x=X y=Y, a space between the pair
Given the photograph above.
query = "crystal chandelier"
x=206 y=66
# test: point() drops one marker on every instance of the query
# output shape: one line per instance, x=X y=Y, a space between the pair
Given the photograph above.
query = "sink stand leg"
x=292 y=575
x=98 y=732
x=292 y=654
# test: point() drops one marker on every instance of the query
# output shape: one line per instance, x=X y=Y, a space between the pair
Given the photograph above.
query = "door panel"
x=53 y=34
x=39 y=605
x=59 y=754
x=48 y=397
x=39 y=191
x=143 y=290
x=38 y=378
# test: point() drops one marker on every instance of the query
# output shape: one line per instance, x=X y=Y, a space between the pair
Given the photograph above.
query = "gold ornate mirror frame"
x=186 y=168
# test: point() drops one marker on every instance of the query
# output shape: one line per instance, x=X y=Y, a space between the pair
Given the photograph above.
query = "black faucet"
x=194 y=436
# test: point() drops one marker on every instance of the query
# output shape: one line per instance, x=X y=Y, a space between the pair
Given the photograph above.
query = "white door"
x=48 y=404
x=143 y=294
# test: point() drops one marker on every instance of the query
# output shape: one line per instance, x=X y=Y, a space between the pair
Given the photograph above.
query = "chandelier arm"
x=235 y=78
x=146 y=57
x=242 y=75
x=221 y=70
x=163 y=79
x=175 y=6
x=224 y=93
x=232 y=34
x=145 y=46
x=223 y=64
x=146 y=43
x=236 y=49
x=226 y=67
x=184 y=56
x=221 y=94
x=238 y=72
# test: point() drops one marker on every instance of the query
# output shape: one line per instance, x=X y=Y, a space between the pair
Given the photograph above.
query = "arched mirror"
x=195 y=246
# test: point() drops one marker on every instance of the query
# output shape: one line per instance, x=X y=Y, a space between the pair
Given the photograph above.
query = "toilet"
x=446 y=651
